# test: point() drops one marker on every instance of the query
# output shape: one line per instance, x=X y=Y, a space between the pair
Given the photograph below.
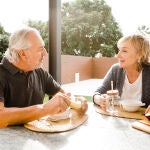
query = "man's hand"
x=57 y=104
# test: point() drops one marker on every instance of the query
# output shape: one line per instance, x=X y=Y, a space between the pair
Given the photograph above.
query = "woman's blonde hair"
x=142 y=45
x=19 y=40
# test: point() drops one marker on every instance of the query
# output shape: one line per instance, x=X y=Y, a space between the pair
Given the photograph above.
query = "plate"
x=143 y=125
x=123 y=114
x=46 y=125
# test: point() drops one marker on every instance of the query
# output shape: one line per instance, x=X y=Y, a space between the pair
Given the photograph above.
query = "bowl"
x=61 y=116
x=131 y=105
x=147 y=115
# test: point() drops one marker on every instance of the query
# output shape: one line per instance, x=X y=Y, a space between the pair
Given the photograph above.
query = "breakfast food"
x=60 y=116
x=66 y=114
x=112 y=92
x=75 y=104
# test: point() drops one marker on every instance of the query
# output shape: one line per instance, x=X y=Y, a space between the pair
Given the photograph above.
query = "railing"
x=83 y=68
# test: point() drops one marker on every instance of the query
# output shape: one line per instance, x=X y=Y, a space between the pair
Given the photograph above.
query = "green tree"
x=88 y=27
x=144 y=30
x=42 y=27
x=4 y=36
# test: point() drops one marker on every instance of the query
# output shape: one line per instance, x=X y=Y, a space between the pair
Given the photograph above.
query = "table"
x=99 y=132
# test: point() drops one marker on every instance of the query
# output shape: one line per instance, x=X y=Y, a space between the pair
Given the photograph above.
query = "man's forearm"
x=14 y=116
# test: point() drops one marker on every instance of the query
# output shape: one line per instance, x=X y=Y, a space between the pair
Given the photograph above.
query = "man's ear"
x=22 y=54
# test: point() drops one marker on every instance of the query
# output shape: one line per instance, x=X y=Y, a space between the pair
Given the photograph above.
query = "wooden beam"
x=55 y=39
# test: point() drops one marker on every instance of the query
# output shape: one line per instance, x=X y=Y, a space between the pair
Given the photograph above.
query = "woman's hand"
x=101 y=100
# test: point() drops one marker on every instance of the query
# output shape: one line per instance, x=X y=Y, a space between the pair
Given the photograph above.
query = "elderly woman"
x=131 y=74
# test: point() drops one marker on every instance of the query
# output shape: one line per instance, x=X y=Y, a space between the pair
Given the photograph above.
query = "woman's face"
x=127 y=55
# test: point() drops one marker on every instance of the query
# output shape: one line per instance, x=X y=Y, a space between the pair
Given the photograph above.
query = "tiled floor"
x=86 y=87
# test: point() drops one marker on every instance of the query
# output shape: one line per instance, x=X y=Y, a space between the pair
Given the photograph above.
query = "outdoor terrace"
x=85 y=88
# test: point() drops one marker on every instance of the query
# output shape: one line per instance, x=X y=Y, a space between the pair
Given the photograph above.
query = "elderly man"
x=23 y=83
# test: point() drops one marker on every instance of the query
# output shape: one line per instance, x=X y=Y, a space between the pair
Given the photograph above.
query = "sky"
x=15 y=13
x=128 y=13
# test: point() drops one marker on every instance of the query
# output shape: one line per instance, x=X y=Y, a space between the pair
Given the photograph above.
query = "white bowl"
x=131 y=105
x=147 y=115
x=60 y=116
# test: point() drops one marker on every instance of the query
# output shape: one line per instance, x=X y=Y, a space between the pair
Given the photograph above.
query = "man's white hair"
x=19 y=40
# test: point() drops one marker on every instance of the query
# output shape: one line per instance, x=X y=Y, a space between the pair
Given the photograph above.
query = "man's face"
x=35 y=54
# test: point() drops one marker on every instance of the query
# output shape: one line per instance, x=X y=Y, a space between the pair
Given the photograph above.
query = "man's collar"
x=10 y=67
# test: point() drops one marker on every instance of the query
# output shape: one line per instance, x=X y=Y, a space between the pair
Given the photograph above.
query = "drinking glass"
x=112 y=103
